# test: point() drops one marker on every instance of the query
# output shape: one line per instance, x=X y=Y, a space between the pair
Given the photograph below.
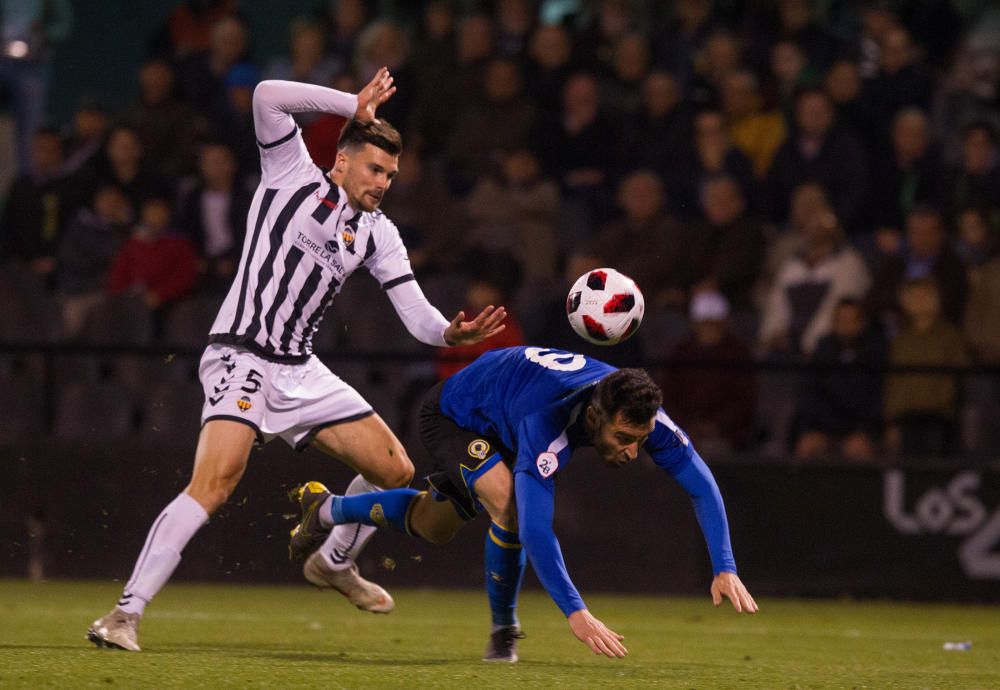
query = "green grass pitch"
x=255 y=636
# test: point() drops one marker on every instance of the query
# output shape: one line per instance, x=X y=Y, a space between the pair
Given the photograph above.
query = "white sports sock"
x=346 y=542
x=168 y=536
x=325 y=518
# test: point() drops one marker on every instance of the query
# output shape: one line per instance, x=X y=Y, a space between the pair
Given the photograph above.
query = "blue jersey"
x=533 y=399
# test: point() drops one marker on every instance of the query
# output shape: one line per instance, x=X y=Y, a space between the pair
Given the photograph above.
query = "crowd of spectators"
x=785 y=184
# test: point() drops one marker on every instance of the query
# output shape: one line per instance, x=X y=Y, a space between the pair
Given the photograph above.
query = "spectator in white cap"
x=711 y=393
x=710 y=308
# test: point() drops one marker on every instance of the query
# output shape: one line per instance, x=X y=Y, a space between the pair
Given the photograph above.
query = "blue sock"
x=505 y=565
x=379 y=508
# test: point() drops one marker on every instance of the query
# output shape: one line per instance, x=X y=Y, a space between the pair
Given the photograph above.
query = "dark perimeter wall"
x=920 y=534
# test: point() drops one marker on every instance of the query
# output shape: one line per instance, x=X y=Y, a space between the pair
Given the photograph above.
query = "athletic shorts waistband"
x=245 y=343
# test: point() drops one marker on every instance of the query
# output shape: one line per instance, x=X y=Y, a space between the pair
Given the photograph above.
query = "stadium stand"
x=495 y=124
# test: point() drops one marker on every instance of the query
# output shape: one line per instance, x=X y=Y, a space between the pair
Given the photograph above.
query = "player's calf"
x=434 y=520
x=380 y=509
x=405 y=510
x=213 y=486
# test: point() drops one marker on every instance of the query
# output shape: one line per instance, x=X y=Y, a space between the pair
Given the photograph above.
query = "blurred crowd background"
x=808 y=194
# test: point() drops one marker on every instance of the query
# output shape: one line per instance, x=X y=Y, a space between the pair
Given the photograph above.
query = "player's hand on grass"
x=729 y=585
x=596 y=635
x=378 y=91
x=486 y=325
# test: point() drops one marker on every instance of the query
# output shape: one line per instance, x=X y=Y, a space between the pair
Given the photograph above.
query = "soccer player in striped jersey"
x=308 y=230
x=499 y=432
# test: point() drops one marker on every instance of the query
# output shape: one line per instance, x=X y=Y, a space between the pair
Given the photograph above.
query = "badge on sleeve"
x=547 y=464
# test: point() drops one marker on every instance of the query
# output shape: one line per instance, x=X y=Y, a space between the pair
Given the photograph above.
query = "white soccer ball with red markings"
x=604 y=306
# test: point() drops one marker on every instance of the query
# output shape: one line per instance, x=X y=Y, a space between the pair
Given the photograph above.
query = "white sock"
x=325 y=517
x=346 y=542
x=168 y=536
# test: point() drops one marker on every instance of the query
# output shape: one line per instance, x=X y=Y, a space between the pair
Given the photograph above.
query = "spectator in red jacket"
x=162 y=266
x=480 y=293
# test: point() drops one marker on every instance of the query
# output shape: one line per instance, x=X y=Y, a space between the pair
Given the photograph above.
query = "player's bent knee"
x=507 y=521
x=406 y=473
x=399 y=475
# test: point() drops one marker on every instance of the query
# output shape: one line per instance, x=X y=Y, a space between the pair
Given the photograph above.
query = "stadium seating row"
x=101 y=396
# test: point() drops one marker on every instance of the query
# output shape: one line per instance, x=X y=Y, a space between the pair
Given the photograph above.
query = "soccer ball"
x=604 y=306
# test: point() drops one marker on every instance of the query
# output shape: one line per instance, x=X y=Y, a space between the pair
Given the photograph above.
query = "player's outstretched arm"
x=729 y=585
x=486 y=325
x=593 y=633
x=671 y=449
x=534 y=515
x=275 y=100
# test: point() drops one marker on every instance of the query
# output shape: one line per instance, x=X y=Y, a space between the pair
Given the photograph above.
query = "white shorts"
x=293 y=401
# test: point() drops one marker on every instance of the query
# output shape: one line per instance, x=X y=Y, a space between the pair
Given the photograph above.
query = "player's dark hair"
x=629 y=391
x=378 y=133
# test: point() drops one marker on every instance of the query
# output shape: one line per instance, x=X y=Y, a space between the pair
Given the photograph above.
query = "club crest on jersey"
x=244 y=404
x=547 y=463
x=348 y=240
x=478 y=449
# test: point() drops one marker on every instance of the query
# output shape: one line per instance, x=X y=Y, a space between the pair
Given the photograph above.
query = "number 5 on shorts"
x=253 y=382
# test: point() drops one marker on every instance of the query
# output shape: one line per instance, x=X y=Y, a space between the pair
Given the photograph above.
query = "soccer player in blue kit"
x=499 y=432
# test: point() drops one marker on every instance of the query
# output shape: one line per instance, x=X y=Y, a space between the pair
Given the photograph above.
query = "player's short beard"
x=376 y=204
x=361 y=202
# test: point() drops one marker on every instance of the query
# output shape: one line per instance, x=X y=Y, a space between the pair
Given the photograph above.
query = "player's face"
x=617 y=441
x=367 y=175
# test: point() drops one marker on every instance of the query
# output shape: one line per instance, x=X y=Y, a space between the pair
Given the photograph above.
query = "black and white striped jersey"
x=303 y=240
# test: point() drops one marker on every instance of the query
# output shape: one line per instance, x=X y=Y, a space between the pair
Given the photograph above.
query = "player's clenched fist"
x=596 y=635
